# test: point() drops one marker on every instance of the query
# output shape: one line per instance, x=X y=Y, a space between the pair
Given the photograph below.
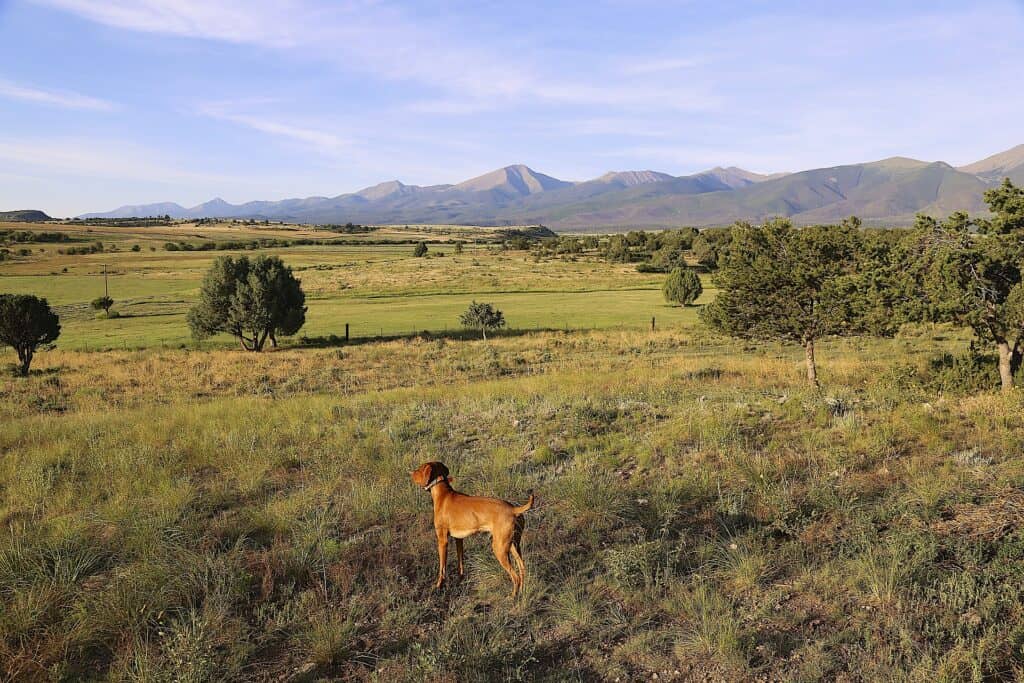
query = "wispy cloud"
x=53 y=98
x=384 y=41
x=643 y=66
x=322 y=140
x=104 y=158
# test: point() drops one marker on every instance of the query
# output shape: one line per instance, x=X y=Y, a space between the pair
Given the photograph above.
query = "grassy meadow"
x=378 y=289
x=202 y=513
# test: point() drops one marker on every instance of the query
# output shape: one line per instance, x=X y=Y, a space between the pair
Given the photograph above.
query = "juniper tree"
x=253 y=300
x=785 y=284
x=682 y=286
x=968 y=272
x=482 y=317
x=26 y=323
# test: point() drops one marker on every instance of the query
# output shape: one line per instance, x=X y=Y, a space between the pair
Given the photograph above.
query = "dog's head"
x=429 y=472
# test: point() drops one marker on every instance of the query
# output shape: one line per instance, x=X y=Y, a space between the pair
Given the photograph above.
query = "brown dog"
x=459 y=516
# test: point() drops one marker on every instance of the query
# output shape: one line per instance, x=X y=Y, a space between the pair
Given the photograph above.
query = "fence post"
x=652 y=323
x=346 y=333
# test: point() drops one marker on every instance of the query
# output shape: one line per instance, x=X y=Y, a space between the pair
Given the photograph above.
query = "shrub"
x=420 y=250
x=963 y=373
x=482 y=317
x=102 y=303
x=682 y=286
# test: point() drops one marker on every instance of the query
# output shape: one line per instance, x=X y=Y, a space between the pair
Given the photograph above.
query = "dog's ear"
x=439 y=470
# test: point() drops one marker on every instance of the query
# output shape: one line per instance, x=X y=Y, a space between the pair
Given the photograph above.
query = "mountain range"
x=889 y=191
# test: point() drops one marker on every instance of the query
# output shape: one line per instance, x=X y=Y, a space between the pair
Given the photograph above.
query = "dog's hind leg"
x=501 y=545
x=517 y=551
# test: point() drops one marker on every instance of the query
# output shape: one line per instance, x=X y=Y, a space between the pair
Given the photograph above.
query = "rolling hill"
x=24 y=216
x=888 y=191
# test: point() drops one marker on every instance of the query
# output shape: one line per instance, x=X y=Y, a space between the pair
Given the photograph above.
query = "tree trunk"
x=812 y=368
x=484 y=331
x=273 y=340
x=25 y=356
x=1005 y=365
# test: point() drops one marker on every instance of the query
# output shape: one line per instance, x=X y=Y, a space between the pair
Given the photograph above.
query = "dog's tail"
x=525 y=506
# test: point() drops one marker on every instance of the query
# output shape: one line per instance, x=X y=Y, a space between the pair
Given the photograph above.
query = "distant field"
x=378 y=289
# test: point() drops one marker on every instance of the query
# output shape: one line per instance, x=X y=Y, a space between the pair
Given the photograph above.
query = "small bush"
x=962 y=373
x=682 y=286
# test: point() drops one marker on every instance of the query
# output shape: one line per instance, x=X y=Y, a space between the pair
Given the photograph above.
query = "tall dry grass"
x=170 y=515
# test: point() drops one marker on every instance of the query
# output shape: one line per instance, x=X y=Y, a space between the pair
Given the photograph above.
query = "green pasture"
x=378 y=290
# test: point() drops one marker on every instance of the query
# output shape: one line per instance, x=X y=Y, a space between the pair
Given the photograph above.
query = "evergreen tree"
x=968 y=271
x=26 y=323
x=682 y=286
x=780 y=283
x=253 y=300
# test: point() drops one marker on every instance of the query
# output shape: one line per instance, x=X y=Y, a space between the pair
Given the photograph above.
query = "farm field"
x=378 y=289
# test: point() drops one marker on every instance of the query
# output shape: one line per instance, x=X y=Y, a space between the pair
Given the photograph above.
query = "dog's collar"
x=434 y=482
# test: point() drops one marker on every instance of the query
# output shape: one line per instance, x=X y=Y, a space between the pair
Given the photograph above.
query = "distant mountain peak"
x=382 y=190
x=898 y=162
x=998 y=164
x=517 y=179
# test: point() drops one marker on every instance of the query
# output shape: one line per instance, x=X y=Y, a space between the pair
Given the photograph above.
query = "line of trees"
x=776 y=282
x=786 y=284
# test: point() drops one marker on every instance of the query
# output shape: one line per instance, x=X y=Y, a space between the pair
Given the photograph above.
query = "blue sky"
x=108 y=102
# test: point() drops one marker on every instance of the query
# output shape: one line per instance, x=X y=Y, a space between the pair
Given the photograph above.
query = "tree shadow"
x=334 y=340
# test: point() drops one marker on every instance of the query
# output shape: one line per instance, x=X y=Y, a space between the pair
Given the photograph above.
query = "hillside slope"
x=24 y=216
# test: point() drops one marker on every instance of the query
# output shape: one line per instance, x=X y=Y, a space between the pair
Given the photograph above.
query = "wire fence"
x=363 y=333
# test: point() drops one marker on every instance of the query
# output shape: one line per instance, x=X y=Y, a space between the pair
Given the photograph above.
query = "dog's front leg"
x=442 y=555
x=458 y=550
